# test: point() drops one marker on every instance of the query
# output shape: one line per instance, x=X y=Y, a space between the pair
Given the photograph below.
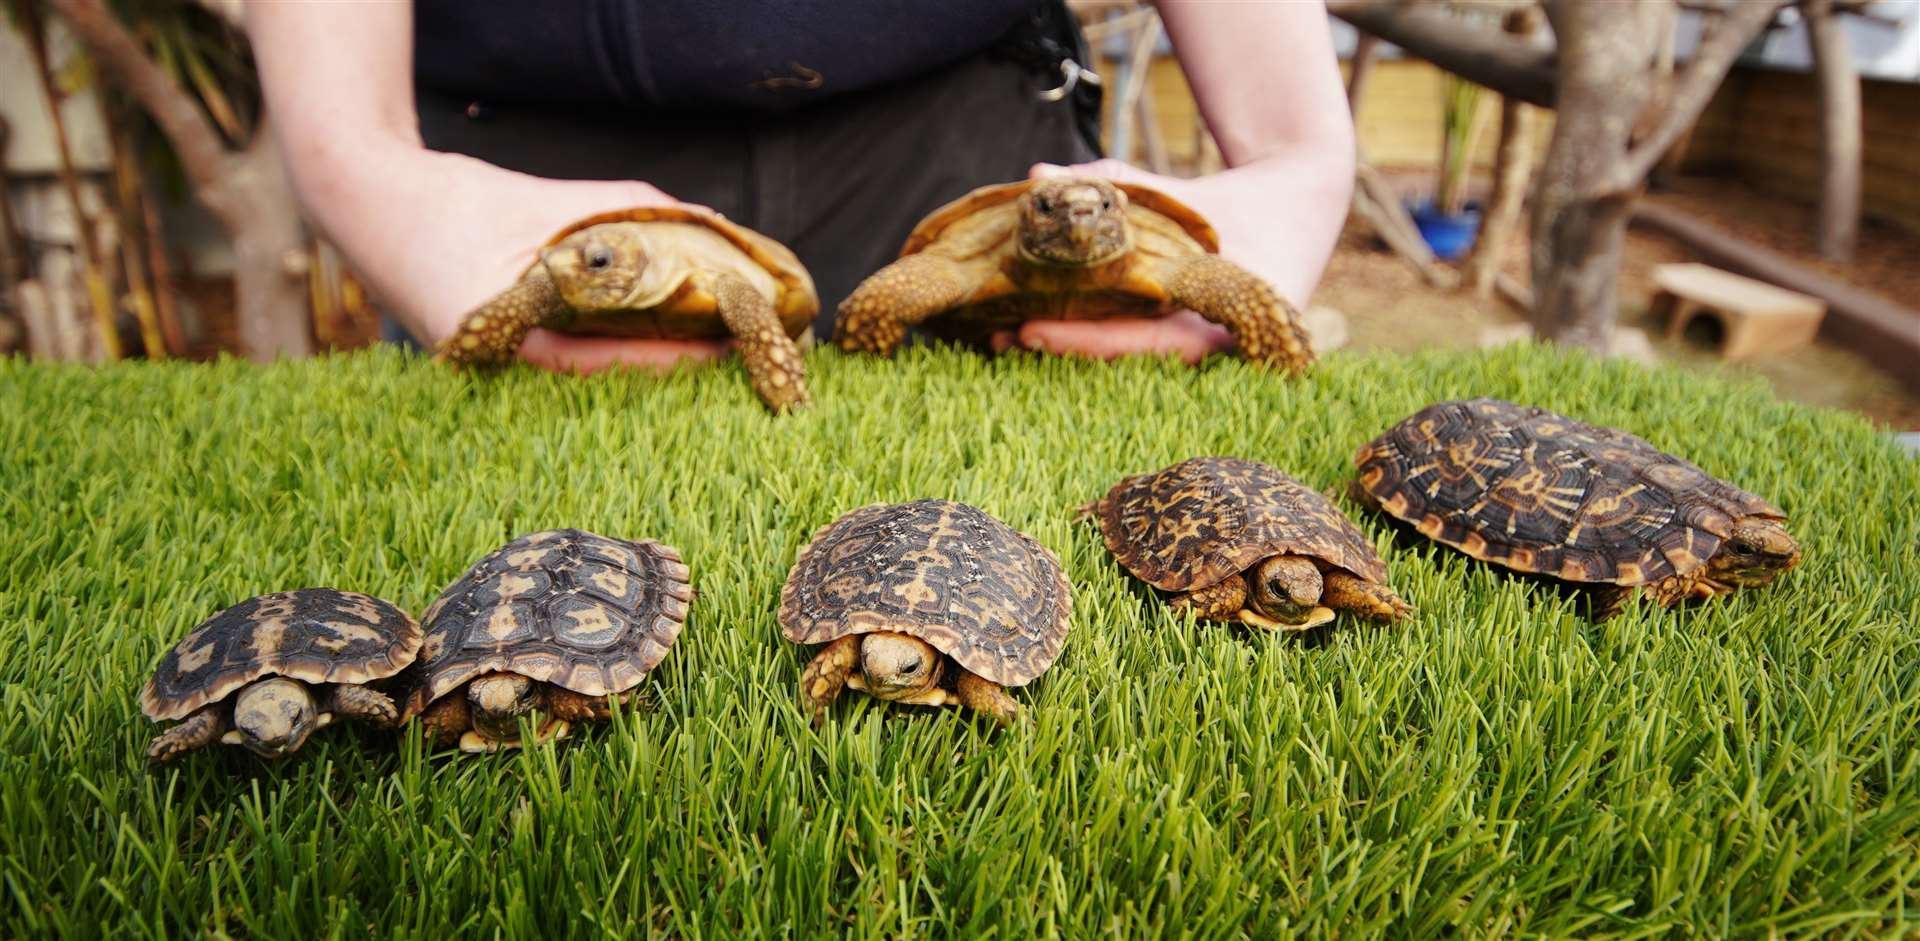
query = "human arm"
x=433 y=234
x=1268 y=84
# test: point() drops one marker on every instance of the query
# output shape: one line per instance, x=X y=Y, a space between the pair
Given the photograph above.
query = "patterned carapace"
x=315 y=635
x=1206 y=519
x=1540 y=492
x=581 y=611
x=975 y=588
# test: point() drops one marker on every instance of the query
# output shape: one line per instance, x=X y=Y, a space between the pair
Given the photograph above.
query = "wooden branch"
x=1692 y=89
x=1512 y=168
x=1511 y=67
x=120 y=56
x=1359 y=68
x=1840 y=143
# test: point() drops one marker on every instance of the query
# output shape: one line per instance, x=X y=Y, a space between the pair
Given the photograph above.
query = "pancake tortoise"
x=658 y=272
x=554 y=626
x=930 y=602
x=267 y=672
x=1238 y=540
x=1073 y=248
x=1538 y=492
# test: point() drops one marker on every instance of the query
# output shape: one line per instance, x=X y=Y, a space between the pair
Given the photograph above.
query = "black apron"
x=842 y=179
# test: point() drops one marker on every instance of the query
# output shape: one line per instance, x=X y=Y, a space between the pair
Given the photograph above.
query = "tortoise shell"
x=989 y=215
x=584 y=612
x=1539 y=492
x=1207 y=519
x=978 y=590
x=697 y=237
x=314 y=635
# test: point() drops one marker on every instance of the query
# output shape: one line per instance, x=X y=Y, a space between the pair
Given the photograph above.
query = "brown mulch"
x=1389 y=307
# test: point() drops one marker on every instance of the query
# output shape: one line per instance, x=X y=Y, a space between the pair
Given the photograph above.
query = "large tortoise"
x=930 y=602
x=1073 y=248
x=658 y=272
x=264 y=674
x=1538 y=492
x=1238 y=540
x=554 y=625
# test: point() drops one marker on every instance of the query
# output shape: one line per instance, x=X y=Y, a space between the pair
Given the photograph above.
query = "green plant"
x=1495 y=767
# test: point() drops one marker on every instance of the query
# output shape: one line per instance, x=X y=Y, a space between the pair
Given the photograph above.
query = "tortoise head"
x=897 y=666
x=1287 y=588
x=1758 y=551
x=496 y=702
x=600 y=268
x=1074 y=221
x=273 y=717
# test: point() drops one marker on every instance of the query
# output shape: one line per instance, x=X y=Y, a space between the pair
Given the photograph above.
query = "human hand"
x=1240 y=204
x=448 y=232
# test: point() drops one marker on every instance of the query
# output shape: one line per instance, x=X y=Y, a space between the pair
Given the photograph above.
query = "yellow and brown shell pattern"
x=1205 y=519
x=1537 y=491
x=584 y=612
x=978 y=590
x=315 y=635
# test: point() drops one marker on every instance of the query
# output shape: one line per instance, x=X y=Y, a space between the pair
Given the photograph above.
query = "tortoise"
x=1538 y=492
x=1071 y=248
x=658 y=272
x=1238 y=540
x=264 y=674
x=929 y=602
x=560 y=622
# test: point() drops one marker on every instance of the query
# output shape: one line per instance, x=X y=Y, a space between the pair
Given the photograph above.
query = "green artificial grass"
x=1497 y=767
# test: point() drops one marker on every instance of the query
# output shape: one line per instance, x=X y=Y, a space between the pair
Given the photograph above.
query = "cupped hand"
x=460 y=230
x=1239 y=204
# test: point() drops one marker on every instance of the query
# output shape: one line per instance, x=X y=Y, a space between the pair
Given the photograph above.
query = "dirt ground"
x=1388 y=307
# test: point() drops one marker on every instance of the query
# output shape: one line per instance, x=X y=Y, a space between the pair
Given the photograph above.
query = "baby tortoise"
x=1538 y=492
x=1076 y=248
x=554 y=625
x=267 y=672
x=930 y=602
x=1238 y=540
x=658 y=272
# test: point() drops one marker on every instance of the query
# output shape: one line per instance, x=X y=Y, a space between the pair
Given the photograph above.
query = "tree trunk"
x=1512 y=165
x=1839 y=130
x=1579 y=221
x=247 y=190
x=269 y=253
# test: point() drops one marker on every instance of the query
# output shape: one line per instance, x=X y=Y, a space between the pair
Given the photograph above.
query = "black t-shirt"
x=675 y=54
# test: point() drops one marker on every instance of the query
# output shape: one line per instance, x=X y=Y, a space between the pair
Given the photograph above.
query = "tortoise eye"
x=1043 y=203
x=599 y=257
x=1743 y=547
x=1106 y=202
x=911 y=666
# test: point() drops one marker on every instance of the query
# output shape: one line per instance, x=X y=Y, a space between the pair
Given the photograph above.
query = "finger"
x=584 y=355
x=1108 y=167
x=1185 y=335
x=1002 y=341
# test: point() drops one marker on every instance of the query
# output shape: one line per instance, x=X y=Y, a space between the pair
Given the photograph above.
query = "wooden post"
x=1512 y=168
x=1840 y=143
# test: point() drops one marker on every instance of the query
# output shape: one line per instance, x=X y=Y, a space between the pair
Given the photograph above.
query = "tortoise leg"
x=1606 y=601
x=875 y=317
x=1675 y=589
x=358 y=702
x=198 y=730
x=446 y=720
x=492 y=333
x=1347 y=592
x=1264 y=325
x=989 y=699
x=774 y=365
x=1218 y=602
x=826 y=675
x=575 y=707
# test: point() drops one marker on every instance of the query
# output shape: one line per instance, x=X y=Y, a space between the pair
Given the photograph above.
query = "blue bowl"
x=1448 y=236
